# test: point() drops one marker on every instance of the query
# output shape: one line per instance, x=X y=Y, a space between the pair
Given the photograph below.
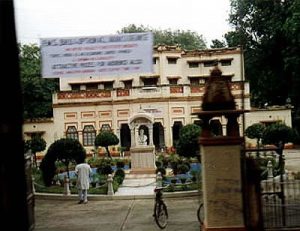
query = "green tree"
x=188 y=40
x=187 y=144
x=279 y=134
x=255 y=131
x=36 y=144
x=36 y=91
x=217 y=44
x=106 y=139
x=64 y=150
x=269 y=31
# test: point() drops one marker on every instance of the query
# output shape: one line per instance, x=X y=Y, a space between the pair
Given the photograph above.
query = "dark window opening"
x=210 y=63
x=193 y=65
x=173 y=81
x=148 y=82
x=91 y=86
x=127 y=84
x=225 y=62
x=108 y=85
x=172 y=60
x=75 y=87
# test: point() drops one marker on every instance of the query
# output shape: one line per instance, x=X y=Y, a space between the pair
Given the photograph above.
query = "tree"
x=255 y=131
x=217 y=44
x=65 y=150
x=36 y=144
x=188 y=40
x=269 y=32
x=187 y=144
x=279 y=134
x=105 y=139
x=36 y=91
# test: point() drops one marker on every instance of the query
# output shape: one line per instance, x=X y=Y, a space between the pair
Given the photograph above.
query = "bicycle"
x=200 y=213
x=160 y=209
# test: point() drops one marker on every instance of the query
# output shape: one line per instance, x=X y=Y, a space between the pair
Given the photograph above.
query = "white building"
x=85 y=106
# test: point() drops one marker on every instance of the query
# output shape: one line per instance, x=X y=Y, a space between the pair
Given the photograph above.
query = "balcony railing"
x=134 y=93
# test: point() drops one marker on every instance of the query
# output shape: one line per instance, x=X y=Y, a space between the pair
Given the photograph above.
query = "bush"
x=119 y=175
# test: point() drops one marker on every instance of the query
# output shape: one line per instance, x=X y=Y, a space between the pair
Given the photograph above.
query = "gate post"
x=221 y=159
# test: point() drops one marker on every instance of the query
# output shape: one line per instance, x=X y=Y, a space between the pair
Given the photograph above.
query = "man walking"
x=83 y=172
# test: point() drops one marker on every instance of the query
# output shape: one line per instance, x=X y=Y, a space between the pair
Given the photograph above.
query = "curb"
x=93 y=197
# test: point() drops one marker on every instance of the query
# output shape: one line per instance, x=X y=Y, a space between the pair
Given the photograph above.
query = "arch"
x=125 y=136
x=175 y=131
x=158 y=136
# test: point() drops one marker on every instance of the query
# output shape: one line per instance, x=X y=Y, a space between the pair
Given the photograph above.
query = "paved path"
x=137 y=185
x=113 y=215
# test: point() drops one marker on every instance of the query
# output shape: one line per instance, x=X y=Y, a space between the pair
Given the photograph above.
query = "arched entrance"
x=158 y=136
x=125 y=136
x=175 y=131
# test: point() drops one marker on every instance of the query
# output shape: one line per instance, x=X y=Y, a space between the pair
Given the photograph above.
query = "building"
x=170 y=95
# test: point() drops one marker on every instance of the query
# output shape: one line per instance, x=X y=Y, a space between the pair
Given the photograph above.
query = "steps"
x=137 y=184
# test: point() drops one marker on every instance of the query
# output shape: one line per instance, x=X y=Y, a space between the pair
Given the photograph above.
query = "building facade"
x=170 y=95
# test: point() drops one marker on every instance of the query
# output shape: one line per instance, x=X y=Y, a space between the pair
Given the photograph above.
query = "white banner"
x=97 y=56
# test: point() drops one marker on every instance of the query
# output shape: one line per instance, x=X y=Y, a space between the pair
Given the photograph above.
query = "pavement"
x=113 y=215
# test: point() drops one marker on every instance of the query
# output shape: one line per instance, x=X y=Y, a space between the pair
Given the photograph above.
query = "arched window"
x=72 y=133
x=89 y=135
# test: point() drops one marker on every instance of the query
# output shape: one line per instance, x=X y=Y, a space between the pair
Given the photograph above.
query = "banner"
x=119 y=54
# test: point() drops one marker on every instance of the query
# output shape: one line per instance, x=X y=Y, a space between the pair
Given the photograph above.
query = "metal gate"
x=278 y=193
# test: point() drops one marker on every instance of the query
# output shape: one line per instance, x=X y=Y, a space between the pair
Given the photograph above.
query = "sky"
x=37 y=19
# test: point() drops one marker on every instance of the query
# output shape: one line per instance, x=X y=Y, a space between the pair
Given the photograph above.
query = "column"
x=150 y=127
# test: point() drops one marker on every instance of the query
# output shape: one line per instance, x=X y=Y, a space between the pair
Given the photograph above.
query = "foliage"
x=35 y=144
x=188 y=40
x=36 y=91
x=278 y=134
x=64 y=150
x=105 y=139
x=255 y=131
x=188 y=141
x=269 y=32
x=217 y=44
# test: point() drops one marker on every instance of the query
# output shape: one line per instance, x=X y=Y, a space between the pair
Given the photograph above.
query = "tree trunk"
x=107 y=152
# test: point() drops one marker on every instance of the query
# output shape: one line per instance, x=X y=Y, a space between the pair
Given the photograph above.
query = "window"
x=148 y=82
x=108 y=85
x=210 y=63
x=194 y=81
x=89 y=135
x=172 y=60
x=127 y=84
x=75 y=87
x=72 y=133
x=105 y=127
x=193 y=65
x=155 y=60
x=226 y=62
x=91 y=86
x=173 y=81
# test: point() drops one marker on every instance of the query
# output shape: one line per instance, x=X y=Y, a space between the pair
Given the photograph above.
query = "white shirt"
x=83 y=172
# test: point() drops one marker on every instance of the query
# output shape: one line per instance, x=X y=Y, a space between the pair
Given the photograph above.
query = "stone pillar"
x=150 y=127
x=67 y=191
x=222 y=184
x=110 y=189
x=133 y=143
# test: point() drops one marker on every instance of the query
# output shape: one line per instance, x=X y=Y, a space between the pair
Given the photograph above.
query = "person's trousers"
x=82 y=193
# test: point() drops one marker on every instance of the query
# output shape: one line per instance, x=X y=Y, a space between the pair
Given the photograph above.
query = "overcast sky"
x=37 y=19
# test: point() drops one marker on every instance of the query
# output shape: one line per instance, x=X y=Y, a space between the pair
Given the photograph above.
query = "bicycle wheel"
x=161 y=214
x=200 y=214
